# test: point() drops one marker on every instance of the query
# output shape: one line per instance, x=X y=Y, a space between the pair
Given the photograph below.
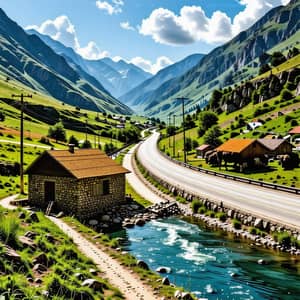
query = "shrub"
x=286 y=95
x=221 y=216
x=283 y=238
x=236 y=224
x=195 y=205
x=202 y=210
x=234 y=134
x=253 y=230
x=294 y=123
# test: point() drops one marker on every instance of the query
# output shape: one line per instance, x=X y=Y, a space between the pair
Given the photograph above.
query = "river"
x=213 y=265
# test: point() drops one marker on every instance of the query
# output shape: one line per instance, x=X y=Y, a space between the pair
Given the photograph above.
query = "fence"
x=235 y=178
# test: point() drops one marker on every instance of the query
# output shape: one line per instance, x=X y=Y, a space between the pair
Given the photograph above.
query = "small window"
x=105 y=185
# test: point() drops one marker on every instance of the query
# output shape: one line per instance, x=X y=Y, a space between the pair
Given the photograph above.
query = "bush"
x=234 y=134
x=221 y=216
x=195 y=205
x=286 y=95
x=236 y=224
x=294 y=123
x=283 y=239
x=202 y=210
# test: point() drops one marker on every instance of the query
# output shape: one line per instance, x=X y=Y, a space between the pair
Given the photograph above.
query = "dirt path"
x=126 y=281
x=130 y=285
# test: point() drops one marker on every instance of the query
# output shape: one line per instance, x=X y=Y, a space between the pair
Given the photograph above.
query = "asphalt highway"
x=277 y=206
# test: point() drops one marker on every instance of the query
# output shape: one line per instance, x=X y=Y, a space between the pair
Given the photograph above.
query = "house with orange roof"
x=83 y=182
x=245 y=148
x=245 y=152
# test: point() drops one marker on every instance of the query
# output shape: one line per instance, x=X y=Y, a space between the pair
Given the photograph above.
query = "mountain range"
x=116 y=77
x=138 y=96
x=231 y=63
x=27 y=59
x=48 y=66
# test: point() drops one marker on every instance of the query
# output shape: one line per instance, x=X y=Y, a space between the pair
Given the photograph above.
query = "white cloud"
x=148 y=66
x=127 y=26
x=92 y=51
x=192 y=24
x=61 y=29
x=114 y=8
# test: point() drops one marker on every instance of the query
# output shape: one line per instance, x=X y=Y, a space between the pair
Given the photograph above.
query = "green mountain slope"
x=136 y=97
x=30 y=61
x=231 y=63
x=117 y=77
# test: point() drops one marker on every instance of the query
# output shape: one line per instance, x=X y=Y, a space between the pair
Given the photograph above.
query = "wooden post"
x=22 y=140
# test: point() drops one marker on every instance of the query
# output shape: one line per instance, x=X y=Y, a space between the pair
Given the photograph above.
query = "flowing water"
x=211 y=265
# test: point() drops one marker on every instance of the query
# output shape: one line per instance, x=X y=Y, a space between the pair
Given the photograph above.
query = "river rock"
x=93 y=222
x=186 y=296
x=163 y=270
x=139 y=222
x=105 y=218
x=177 y=294
x=142 y=264
x=165 y=281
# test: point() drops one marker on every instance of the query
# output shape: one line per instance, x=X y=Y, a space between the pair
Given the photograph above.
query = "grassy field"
x=63 y=262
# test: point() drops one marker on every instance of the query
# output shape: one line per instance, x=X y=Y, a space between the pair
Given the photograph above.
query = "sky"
x=149 y=33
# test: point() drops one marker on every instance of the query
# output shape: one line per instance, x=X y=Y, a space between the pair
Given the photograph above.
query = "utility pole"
x=169 y=123
x=86 y=122
x=22 y=140
x=174 y=116
x=183 y=125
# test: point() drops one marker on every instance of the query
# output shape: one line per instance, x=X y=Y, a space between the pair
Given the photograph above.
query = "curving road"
x=267 y=203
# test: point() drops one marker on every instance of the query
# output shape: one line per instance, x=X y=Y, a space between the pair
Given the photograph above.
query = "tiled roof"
x=235 y=145
x=295 y=130
x=85 y=163
x=271 y=144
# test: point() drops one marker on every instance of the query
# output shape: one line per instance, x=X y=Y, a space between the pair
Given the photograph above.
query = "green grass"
x=64 y=261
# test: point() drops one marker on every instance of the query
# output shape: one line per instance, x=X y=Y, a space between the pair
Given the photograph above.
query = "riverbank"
x=256 y=229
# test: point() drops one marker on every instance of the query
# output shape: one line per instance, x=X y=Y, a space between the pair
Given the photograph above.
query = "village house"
x=201 y=150
x=244 y=152
x=83 y=182
x=277 y=146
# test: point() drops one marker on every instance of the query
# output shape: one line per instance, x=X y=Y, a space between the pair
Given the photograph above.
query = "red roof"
x=295 y=130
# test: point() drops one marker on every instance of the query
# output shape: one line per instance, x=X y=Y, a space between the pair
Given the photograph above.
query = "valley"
x=209 y=127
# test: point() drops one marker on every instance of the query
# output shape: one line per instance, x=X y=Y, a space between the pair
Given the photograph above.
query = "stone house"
x=83 y=182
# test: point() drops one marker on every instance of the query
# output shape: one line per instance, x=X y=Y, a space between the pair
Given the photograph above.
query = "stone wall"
x=90 y=205
x=66 y=192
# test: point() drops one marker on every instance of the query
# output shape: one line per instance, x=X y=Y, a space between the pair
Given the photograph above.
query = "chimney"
x=71 y=148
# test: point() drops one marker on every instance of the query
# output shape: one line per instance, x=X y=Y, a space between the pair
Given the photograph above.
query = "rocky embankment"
x=131 y=214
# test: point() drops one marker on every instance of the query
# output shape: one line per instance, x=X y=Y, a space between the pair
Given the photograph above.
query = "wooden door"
x=49 y=191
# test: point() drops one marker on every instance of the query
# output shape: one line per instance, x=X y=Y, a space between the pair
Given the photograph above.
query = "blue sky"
x=149 y=33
